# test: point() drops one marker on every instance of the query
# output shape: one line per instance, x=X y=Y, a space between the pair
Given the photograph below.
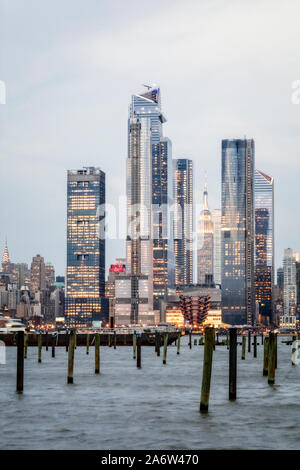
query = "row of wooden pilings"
x=269 y=362
x=209 y=340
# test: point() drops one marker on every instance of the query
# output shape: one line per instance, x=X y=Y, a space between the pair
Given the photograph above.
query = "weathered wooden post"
x=207 y=367
x=262 y=339
x=53 y=344
x=47 y=340
x=134 y=344
x=25 y=345
x=158 y=344
x=227 y=339
x=139 y=351
x=243 y=347
x=115 y=339
x=249 y=341
x=266 y=356
x=178 y=343
x=255 y=346
x=67 y=340
x=275 y=350
x=294 y=351
x=272 y=359
x=195 y=342
x=232 y=363
x=71 y=352
x=201 y=341
x=97 y=353
x=190 y=339
x=88 y=343
x=165 y=348
x=40 y=342
x=20 y=361
x=109 y=340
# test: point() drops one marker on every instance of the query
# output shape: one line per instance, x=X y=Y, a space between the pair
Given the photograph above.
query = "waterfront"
x=156 y=407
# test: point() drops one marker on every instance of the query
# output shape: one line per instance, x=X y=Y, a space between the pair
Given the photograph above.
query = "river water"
x=156 y=407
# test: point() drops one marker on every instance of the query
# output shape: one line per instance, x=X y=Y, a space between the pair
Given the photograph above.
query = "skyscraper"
x=49 y=274
x=205 y=249
x=264 y=244
x=289 y=287
x=238 y=294
x=85 y=280
x=37 y=274
x=146 y=108
x=217 y=246
x=280 y=277
x=183 y=220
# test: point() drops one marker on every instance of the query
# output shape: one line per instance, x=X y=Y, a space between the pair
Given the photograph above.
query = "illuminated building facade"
x=116 y=270
x=205 y=251
x=146 y=109
x=264 y=245
x=85 y=280
x=217 y=246
x=183 y=220
x=37 y=274
x=289 y=288
x=238 y=293
x=49 y=274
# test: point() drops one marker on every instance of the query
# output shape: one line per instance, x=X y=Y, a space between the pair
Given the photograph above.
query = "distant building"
x=205 y=249
x=289 y=288
x=217 y=246
x=37 y=274
x=280 y=278
x=85 y=282
x=115 y=271
x=238 y=292
x=183 y=220
x=49 y=274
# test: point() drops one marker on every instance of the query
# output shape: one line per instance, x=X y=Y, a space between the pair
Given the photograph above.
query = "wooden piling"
x=20 y=361
x=232 y=363
x=272 y=359
x=53 y=345
x=165 y=348
x=88 y=343
x=243 y=347
x=109 y=340
x=67 y=341
x=178 y=343
x=97 y=353
x=266 y=356
x=294 y=351
x=227 y=339
x=139 y=351
x=275 y=350
x=25 y=345
x=47 y=340
x=115 y=340
x=195 y=342
x=134 y=345
x=71 y=351
x=255 y=346
x=190 y=339
x=262 y=339
x=40 y=343
x=249 y=341
x=207 y=367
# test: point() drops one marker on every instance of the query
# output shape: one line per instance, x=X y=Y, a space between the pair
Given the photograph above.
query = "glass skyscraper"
x=205 y=251
x=264 y=244
x=85 y=282
x=217 y=246
x=146 y=108
x=238 y=294
x=183 y=220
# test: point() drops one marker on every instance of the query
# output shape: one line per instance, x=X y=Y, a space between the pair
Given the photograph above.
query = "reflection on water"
x=156 y=407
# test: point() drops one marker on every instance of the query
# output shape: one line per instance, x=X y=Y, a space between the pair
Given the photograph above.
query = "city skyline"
x=81 y=97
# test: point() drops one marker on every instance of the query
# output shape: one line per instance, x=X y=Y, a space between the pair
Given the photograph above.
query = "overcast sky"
x=225 y=69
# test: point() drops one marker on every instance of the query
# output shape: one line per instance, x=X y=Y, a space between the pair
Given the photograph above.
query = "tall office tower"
x=205 y=250
x=280 y=278
x=37 y=274
x=238 y=293
x=85 y=280
x=298 y=287
x=6 y=264
x=145 y=108
x=183 y=221
x=217 y=246
x=49 y=274
x=289 y=286
x=21 y=275
x=264 y=244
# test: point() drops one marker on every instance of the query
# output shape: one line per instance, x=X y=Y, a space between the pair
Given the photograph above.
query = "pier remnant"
x=266 y=356
x=40 y=343
x=97 y=353
x=20 y=361
x=272 y=359
x=139 y=351
x=165 y=348
x=178 y=343
x=232 y=363
x=71 y=353
x=243 y=347
x=207 y=367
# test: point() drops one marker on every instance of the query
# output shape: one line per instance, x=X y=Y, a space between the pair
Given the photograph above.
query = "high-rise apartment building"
x=183 y=220
x=280 y=278
x=264 y=244
x=37 y=274
x=205 y=242
x=217 y=246
x=238 y=293
x=49 y=274
x=85 y=280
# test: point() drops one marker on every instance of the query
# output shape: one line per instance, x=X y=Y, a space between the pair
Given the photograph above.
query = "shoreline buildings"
x=238 y=294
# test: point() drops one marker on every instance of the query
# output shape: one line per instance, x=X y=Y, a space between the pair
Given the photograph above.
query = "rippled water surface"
x=156 y=407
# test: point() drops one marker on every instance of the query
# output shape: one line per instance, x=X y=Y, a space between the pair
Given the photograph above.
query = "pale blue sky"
x=225 y=69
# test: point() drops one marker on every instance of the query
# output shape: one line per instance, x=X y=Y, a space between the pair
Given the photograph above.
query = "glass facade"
x=85 y=283
x=264 y=244
x=237 y=232
x=183 y=220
